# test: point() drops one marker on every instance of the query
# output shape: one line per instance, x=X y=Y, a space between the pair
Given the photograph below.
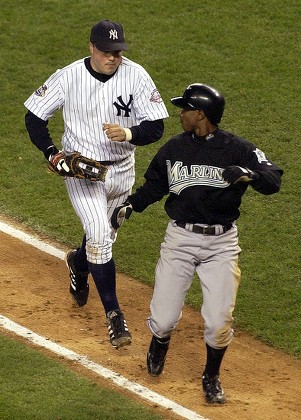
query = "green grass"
x=249 y=51
x=36 y=387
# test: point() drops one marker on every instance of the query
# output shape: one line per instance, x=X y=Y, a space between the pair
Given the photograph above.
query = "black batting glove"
x=51 y=151
x=234 y=174
x=120 y=214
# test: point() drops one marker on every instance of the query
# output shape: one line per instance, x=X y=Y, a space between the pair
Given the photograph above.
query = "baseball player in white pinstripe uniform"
x=110 y=105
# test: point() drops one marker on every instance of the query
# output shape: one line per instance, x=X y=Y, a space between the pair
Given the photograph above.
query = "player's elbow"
x=268 y=184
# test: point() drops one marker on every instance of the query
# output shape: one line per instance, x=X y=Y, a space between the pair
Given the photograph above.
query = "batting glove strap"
x=50 y=151
x=234 y=174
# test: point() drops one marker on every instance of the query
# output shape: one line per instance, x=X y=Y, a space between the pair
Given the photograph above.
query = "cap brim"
x=112 y=47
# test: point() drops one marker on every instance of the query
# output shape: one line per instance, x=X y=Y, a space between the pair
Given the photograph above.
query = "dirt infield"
x=260 y=382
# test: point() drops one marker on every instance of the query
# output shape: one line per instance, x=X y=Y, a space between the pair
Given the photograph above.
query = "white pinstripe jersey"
x=127 y=99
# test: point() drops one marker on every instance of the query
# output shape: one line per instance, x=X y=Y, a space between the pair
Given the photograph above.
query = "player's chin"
x=185 y=127
x=110 y=69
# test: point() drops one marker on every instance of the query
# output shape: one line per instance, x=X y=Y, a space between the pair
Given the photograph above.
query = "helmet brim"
x=180 y=102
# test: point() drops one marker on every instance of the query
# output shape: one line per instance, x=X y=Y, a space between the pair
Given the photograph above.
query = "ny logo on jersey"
x=113 y=34
x=123 y=106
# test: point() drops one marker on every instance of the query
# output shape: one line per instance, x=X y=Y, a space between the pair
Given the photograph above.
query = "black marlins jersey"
x=189 y=169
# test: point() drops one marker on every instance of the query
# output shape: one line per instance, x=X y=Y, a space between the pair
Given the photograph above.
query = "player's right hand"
x=234 y=174
x=120 y=214
x=114 y=132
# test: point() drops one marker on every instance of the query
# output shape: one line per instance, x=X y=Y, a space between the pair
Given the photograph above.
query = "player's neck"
x=204 y=128
x=99 y=76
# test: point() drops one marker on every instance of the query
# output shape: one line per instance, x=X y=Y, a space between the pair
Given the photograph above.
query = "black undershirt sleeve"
x=39 y=134
x=147 y=132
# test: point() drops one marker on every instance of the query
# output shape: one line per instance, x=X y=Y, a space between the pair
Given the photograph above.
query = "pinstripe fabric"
x=94 y=203
x=127 y=99
x=88 y=103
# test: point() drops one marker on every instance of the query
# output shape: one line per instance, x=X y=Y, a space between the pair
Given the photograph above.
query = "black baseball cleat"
x=118 y=331
x=79 y=287
x=213 y=390
x=156 y=355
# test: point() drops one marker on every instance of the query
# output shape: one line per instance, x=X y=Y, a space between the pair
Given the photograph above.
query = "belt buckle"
x=209 y=230
x=194 y=228
x=204 y=230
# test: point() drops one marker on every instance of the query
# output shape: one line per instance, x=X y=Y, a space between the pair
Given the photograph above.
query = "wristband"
x=128 y=134
x=50 y=151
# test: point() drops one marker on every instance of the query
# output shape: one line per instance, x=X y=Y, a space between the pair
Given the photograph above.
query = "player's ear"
x=201 y=115
x=91 y=47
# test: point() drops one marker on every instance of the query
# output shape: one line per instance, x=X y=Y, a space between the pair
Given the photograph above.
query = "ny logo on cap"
x=113 y=34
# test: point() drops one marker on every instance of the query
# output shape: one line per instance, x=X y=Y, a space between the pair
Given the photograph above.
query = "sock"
x=104 y=276
x=214 y=360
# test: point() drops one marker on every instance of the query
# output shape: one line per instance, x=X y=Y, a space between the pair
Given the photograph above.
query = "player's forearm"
x=147 y=132
x=269 y=182
x=39 y=133
x=146 y=195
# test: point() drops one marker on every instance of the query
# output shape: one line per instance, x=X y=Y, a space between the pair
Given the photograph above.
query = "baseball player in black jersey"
x=110 y=106
x=204 y=171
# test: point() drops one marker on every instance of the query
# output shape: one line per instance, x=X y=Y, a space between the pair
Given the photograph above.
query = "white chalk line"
x=116 y=378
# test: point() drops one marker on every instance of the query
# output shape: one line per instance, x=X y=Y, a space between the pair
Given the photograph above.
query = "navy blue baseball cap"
x=108 y=36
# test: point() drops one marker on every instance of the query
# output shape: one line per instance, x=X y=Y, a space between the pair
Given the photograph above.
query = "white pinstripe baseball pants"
x=94 y=203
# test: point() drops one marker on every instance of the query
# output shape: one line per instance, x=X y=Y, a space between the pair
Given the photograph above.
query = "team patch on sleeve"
x=260 y=155
x=155 y=96
x=42 y=91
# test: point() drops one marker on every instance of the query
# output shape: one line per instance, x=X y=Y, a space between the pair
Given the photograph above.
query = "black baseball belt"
x=212 y=230
x=111 y=162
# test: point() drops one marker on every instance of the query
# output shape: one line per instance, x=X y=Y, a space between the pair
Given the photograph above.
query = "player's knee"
x=224 y=338
x=161 y=328
x=219 y=336
x=98 y=254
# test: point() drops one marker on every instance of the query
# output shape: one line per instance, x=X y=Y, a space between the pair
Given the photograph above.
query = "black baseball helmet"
x=204 y=97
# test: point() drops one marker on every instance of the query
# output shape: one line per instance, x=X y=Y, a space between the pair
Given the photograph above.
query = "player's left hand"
x=234 y=174
x=114 y=132
x=120 y=214
x=57 y=163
